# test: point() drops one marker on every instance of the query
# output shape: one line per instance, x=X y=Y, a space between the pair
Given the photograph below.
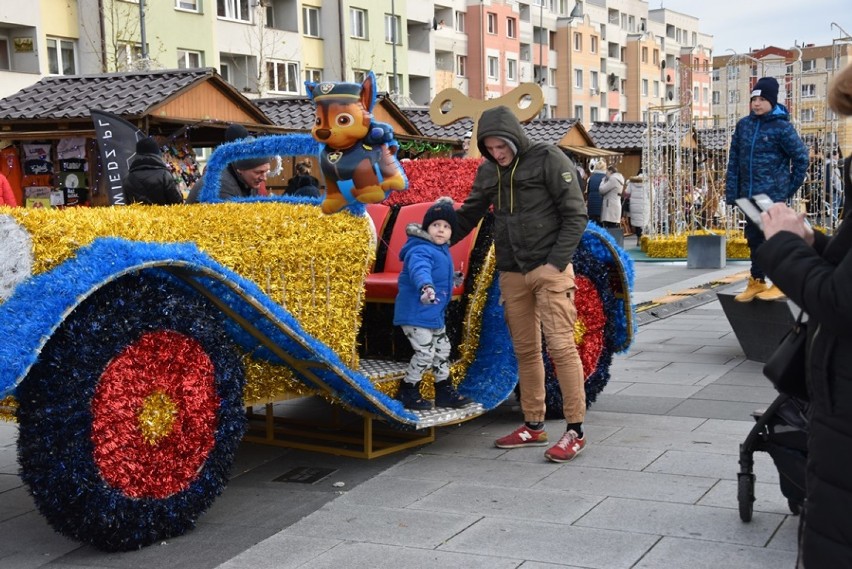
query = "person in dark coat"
x=766 y=157
x=149 y=180
x=594 y=200
x=303 y=184
x=539 y=219
x=815 y=272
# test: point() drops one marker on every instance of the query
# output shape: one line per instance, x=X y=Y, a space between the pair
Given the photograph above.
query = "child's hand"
x=427 y=295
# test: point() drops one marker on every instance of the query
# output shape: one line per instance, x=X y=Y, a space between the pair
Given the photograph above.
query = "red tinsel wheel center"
x=154 y=415
x=591 y=324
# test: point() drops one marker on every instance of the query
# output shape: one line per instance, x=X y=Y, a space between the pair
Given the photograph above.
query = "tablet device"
x=750 y=209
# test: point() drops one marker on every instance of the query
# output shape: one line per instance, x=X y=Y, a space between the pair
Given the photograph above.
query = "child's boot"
x=447 y=396
x=409 y=396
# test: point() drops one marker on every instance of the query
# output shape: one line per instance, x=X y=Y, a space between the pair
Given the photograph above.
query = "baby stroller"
x=780 y=430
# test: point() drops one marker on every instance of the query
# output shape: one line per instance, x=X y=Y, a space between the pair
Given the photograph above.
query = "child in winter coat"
x=425 y=290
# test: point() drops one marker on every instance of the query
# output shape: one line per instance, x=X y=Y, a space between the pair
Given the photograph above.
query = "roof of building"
x=130 y=94
x=621 y=136
x=713 y=138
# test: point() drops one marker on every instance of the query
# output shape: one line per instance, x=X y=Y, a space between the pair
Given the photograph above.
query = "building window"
x=809 y=90
x=644 y=87
x=460 y=21
x=594 y=82
x=126 y=54
x=593 y=44
x=578 y=112
x=4 y=54
x=807 y=115
x=358 y=23
x=461 y=66
x=313 y=75
x=578 y=41
x=283 y=76
x=61 y=57
x=188 y=59
x=809 y=65
x=695 y=97
x=578 y=78
x=394 y=83
x=225 y=71
x=491 y=23
x=657 y=57
x=511 y=70
x=657 y=89
x=716 y=97
x=189 y=5
x=234 y=10
x=511 y=28
x=644 y=55
x=525 y=52
x=311 y=21
x=593 y=112
x=359 y=75
x=493 y=67
x=392 y=29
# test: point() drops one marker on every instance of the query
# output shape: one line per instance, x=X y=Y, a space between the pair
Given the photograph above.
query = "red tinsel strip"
x=590 y=313
x=431 y=178
x=177 y=366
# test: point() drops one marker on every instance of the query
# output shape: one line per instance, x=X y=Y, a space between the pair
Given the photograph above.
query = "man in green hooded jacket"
x=539 y=218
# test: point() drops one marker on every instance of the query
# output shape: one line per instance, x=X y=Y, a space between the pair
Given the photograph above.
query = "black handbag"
x=785 y=368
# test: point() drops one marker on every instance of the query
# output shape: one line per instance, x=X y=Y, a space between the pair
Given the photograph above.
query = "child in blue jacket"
x=425 y=290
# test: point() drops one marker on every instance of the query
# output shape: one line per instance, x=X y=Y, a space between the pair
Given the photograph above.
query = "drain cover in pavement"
x=305 y=475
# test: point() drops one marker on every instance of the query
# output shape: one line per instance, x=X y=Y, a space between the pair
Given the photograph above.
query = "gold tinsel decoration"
x=8 y=409
x=284 y=248
x=674 y=246
x=157 y=417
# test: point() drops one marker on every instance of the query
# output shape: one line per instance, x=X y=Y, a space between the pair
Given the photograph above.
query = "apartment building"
x=594 y=59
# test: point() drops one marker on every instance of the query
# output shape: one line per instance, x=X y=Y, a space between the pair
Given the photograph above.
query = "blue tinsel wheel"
x=78 y=423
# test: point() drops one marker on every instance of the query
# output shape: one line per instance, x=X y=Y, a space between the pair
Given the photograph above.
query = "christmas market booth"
x=49 y=149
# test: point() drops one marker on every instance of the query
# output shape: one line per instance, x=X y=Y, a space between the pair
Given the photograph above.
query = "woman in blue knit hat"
x=766 y=157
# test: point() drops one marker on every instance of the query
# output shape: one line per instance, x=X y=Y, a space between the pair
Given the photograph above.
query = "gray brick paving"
x=655 y=488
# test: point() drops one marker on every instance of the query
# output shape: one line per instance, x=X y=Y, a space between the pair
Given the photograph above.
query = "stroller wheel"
x=745 y=495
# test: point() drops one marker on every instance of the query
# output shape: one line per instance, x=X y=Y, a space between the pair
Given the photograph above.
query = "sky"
x=748 y=24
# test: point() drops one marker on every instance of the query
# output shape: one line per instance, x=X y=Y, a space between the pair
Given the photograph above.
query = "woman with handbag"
x=815 y=272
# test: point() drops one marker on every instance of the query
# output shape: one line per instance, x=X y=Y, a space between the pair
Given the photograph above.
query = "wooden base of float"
x=333 y=435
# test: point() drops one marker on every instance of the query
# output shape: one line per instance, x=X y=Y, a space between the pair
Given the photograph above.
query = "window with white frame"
x=593 y=44
x=511 y=28
x=358 y=23
x=282 y=76
x=313 y=75
x=61 y=57
x=511 y=70
x=695 y=97
x=493 y=67
x=225 y=71
x=806 y=115
x=189 y=5
x=394 y=83
x=311 y=21
x=578 y=112
x=392 y=29
x=461 y=66
x=809 y=65
x=657 y=89
x=126 y=54
x=234 y=9
x=578 y=78
x=644 y=87
x=578 y=41
x=359 y=75
x=491 y=23
x=594 y=80
x=808 y=90
x=593 y=114
x=461 y=21
x=187 y=59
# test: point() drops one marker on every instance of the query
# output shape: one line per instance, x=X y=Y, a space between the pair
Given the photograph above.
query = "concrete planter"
x=705 y=252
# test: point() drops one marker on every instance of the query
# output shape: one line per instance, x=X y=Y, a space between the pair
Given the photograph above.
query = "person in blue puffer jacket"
x=425 y=289
x=767 y=156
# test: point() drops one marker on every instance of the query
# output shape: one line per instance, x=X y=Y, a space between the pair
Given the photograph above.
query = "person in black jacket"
x=815 y=272
x=149 y=180
x=303 y=183
x=539 y=218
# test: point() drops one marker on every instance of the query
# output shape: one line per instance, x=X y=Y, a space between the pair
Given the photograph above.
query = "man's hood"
x=500 y=121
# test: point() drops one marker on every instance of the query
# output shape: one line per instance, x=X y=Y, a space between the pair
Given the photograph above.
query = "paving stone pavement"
x=654 y=489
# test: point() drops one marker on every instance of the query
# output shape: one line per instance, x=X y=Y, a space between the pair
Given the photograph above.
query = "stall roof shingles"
x=71 y=96
x=297 y=113
x=549 y=131
x=713 y=138
x=619 y=135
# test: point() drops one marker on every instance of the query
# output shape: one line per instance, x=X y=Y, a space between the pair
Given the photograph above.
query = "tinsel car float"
x=138 y=340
